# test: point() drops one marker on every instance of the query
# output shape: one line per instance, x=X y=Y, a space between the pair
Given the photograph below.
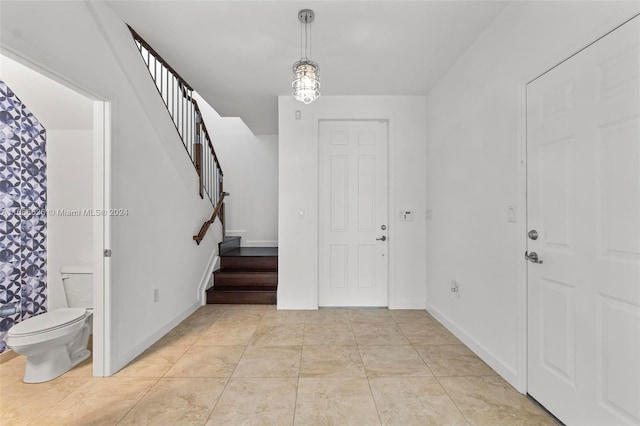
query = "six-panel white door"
x=583 y=186
x=353 y=213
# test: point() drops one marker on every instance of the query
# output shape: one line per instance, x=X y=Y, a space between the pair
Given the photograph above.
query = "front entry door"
x=353 y=227
x=583 y=198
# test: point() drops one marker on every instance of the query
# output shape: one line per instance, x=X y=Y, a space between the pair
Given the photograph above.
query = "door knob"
x=533 y=234
x=532 y=257
x=383 y=238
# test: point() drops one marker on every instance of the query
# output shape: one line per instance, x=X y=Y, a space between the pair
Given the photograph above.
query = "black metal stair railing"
x=183 y=109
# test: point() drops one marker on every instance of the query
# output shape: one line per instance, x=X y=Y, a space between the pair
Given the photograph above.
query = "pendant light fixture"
x=306 y=76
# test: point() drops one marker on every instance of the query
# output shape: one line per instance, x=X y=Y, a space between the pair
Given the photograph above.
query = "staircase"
x=184 y=111
x=247 y=275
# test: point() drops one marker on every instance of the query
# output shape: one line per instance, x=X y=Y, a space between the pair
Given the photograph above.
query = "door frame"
x=102 y=286
x=388 y=118
x=521 y=158
x=102 y=290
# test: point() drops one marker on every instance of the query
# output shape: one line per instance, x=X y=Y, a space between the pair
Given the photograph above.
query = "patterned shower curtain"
x=23 y=218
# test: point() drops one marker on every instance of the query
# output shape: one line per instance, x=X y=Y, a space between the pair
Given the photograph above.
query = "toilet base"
x=57 y=360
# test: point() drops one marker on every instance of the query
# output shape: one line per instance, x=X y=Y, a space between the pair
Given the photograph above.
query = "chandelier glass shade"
x=306 y=73
x=306 y=81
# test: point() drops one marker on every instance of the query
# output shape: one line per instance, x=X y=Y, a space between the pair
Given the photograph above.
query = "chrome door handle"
x=532 y=257
x=383 y=238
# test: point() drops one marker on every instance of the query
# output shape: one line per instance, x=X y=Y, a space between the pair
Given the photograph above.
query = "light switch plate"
x=406 y=215
x=512 y=214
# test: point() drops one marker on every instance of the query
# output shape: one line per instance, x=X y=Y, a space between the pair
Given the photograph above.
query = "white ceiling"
x=238 y=54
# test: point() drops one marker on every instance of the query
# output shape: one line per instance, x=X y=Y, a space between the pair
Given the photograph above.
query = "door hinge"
x=107 y=252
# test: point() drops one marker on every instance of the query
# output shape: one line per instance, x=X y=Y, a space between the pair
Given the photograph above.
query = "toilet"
x=56 y=341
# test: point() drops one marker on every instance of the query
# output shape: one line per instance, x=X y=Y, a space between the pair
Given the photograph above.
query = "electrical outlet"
x=455 y=290
x=156 y=295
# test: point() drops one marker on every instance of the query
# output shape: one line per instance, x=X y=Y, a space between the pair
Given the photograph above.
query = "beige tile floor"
x=254 y=365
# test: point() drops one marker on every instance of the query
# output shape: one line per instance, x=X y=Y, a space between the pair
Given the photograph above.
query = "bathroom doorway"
x=77 y=147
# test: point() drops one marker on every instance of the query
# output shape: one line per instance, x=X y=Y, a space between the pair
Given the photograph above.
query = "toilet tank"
x=78 y=286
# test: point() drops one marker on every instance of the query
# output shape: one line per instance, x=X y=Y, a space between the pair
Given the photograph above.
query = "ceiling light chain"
x=306 y=76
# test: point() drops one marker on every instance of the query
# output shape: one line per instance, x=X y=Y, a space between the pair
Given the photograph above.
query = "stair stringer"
x=206 y=282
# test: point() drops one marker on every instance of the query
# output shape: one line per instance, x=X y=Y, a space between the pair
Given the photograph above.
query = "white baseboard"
x=295 y=306
x=7 y=355
x=249 y=243
x=235 y=232
x=407 y=304
x=146 y=343
x=507 y=373
x=265 y=243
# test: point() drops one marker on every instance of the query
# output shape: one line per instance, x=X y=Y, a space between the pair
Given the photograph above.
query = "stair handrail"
x=217 y=211
x=202 y=134
x=158 y=57
x=177 y=95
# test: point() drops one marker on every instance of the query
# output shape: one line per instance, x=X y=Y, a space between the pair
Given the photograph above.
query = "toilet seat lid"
x=51 y=320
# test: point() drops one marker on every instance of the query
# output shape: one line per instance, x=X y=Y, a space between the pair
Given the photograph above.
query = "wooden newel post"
x=221 y=192
x=222 y=222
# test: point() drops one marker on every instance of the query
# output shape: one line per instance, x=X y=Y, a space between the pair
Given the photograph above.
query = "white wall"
x=69 y=187
x=474 y=125
x=250 y=167
x=298 y=183
x=86 y=44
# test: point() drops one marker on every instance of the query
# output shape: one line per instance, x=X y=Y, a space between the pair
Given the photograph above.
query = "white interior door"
x=583 y=186
x=353 y=224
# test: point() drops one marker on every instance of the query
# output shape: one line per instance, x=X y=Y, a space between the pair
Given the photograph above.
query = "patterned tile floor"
x=239 y=365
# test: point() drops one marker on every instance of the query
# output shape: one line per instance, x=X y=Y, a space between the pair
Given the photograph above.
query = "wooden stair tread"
x=236 y=272
x=251 y=252
x=242 y=297
x=223 y=288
